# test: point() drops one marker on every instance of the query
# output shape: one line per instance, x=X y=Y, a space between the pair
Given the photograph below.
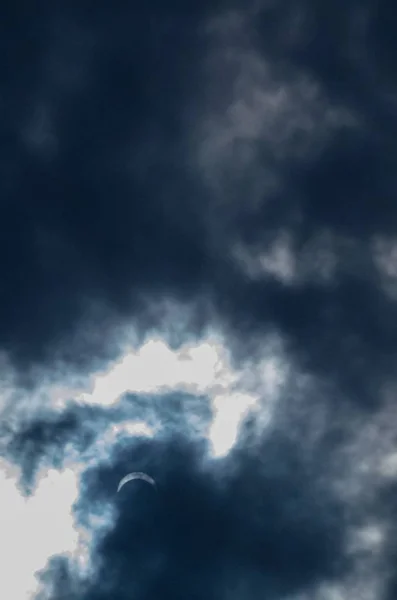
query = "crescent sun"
x=136 y=475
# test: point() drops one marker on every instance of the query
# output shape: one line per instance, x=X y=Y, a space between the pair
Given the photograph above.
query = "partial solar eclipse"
x=136 y=475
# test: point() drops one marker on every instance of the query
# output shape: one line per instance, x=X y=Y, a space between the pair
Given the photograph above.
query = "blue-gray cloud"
x=239 y=162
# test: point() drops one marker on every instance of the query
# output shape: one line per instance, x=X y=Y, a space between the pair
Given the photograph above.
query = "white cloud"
x=33 y=529
x=200 y=368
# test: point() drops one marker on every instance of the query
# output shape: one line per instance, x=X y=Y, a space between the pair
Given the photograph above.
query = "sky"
x=198 y=243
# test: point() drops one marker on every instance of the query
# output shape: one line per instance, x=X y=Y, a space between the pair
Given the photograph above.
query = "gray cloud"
x=170 y=173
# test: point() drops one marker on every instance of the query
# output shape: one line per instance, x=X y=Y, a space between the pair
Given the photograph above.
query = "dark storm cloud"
x=344 y=330
x=55 y=438
x=82 y=226
x=105 y=212
x=46 y=437
x=116 y=214
x=268 y=526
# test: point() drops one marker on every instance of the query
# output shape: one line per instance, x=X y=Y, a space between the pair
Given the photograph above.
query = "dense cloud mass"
x=199 y=282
